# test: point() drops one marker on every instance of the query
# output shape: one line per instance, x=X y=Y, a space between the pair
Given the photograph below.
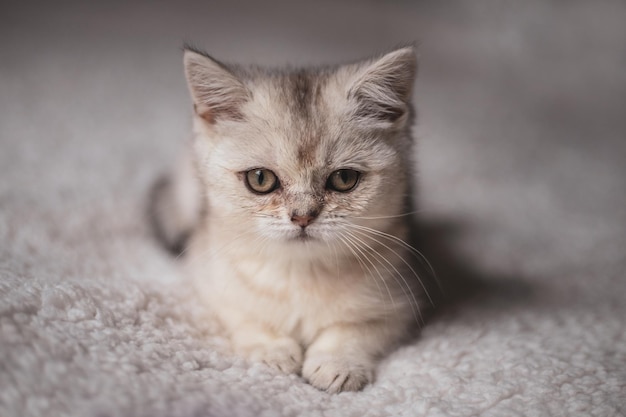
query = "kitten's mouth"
x=303 y=236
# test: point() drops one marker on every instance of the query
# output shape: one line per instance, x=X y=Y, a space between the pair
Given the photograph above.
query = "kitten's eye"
x=343 y=180
x=261 y=181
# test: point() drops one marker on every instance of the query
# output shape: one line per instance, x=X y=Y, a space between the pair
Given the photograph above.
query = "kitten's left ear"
x=382 y=87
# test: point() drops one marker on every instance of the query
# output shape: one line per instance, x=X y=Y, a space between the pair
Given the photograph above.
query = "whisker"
x=212 y=251
x=415 y=304
x=353 y=246
x=188 y=239
x=185 y=249
x=368 y=273
x=403 y=260
x=419 y=255
x=395 y=216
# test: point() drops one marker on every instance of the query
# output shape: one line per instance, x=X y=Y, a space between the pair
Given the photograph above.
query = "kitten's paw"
x=284 y=354
x=335 y=374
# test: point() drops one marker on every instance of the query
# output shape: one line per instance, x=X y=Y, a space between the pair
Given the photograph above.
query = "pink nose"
x=302 y=221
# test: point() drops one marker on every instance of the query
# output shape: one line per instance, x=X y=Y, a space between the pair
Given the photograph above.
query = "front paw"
x=335 y=374
x=283 y=354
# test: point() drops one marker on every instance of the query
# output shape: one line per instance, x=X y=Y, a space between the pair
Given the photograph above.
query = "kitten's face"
x=295 y=162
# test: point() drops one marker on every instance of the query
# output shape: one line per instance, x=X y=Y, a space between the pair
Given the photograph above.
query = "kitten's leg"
x=343 y=357
x=260 y=345
x=176 y=205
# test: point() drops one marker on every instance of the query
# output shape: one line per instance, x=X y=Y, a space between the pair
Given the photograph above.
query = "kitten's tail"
x=174 y=207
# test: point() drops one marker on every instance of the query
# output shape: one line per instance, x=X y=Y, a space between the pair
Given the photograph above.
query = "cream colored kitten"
x=295 y=193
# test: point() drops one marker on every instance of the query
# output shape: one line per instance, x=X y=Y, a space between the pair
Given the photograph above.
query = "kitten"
x=294 y=203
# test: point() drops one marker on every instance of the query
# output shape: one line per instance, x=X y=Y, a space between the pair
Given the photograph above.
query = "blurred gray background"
x=521 y=143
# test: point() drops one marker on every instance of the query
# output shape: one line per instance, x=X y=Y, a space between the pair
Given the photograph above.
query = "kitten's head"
x=311 y=155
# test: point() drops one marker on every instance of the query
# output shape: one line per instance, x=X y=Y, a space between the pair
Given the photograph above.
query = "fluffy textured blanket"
x=522 y=163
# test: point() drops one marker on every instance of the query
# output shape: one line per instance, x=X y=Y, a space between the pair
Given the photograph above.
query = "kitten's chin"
x=305 y=248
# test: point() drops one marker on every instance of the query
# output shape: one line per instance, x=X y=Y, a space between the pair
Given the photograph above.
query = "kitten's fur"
x=327 y=295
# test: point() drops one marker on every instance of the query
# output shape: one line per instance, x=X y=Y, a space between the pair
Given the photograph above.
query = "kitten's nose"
x=303 y=220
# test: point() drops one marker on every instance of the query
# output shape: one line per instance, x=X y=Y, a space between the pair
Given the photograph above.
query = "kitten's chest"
x=300 y=298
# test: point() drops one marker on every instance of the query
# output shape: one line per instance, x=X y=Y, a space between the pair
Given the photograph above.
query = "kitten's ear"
x=216 y=92
x=382 y=87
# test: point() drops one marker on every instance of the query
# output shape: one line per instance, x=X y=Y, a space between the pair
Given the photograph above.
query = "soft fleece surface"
x=522 y=161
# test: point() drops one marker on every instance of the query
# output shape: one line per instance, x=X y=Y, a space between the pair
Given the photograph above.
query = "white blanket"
x=522 y=168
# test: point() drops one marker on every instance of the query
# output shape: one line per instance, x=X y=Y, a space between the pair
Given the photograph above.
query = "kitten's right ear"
x=216 y=92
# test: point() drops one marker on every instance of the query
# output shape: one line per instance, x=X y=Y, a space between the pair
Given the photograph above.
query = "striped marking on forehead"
x=305 y=92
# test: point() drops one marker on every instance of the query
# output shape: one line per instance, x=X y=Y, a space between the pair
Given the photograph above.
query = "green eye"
x=261 y=181
x=343 y=180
